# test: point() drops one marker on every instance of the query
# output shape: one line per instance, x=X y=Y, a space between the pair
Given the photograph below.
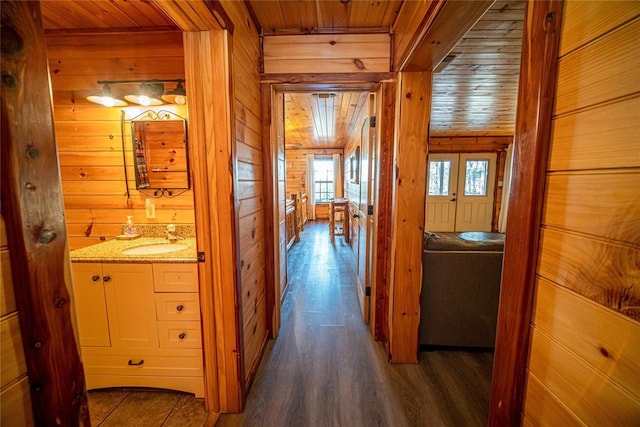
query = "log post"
x=34 y=212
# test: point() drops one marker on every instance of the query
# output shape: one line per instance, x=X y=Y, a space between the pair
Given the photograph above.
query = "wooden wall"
x=478 y=144
x=88 y=135
x=249 y=174
x=584 y=360
x=327 y=53
x=352 y=187
x=14 y=390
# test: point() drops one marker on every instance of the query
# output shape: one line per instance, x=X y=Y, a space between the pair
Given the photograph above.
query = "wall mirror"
x=160 y=152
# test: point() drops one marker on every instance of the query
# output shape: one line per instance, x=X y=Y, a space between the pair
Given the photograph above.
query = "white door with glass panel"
x=460 y=192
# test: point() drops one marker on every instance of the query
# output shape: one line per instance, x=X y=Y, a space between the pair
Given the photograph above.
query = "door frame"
x=269 y=89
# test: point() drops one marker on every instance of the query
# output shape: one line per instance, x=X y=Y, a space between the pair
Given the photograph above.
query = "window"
x=439 y=177
x=475 y=181
x=323 y=179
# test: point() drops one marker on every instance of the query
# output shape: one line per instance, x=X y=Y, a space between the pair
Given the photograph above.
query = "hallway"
x=325 y=370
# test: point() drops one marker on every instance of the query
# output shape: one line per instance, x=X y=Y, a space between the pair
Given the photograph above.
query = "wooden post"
x=34 y=212
x=414 y=100
x=532 y=135
x=207 y=68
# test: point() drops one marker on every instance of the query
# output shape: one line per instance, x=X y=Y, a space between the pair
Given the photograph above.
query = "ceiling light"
x=149 y=94
x=105 y=97
x=176 y=96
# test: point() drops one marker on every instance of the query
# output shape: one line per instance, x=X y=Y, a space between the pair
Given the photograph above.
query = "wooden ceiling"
x=475 y=94
x=325 y=16
x=321 y=119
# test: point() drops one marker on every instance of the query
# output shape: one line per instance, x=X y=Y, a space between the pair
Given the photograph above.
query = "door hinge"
x=367 y=291
x=372 y=121
x=201 y=257
x=370 y=210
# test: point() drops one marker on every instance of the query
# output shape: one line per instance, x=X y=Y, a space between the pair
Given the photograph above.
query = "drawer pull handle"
x=95 y=278
x=132 y=363
x=106 y=278
x=182 y=335
x=180 y=307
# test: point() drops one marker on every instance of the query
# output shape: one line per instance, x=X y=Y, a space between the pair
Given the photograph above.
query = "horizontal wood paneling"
x=13 y=363
x=584 y=356
x=542 y=408
x=571 y=379
x=600 y=270
x=89 y=136
x=590 y=19
x=614 y=216
x=249 y=178
x=606 y=340
x=15 y=406
x=598 y=138
x=327 y=53
x=600 y=71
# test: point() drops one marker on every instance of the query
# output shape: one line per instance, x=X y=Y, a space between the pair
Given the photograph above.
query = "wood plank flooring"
x=325 y=370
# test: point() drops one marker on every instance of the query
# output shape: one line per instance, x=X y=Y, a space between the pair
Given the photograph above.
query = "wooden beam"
x=207 y=68
x=332 y=79
x=196 y=15
x=414 y=100
x=532 y=138
x=442 y=36
x=34 y=213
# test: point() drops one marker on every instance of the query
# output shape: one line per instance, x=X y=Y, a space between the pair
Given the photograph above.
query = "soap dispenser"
x=130 y=229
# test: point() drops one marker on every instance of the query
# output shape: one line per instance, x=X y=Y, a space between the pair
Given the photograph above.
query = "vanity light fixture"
x=176 y=96
x=105 y=97
x=149 y=93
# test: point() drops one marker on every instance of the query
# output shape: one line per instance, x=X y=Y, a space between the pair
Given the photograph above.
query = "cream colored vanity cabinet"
x=139 y=325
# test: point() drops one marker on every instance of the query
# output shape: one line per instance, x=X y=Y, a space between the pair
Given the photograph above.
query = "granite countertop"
x=111 y=251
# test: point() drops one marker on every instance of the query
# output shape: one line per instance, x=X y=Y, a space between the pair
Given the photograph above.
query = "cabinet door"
x=130 y=305
x=91 y=308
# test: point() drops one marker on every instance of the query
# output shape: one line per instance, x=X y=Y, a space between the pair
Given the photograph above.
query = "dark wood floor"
x=325 y=370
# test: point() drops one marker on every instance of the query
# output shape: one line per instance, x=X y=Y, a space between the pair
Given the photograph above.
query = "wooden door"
x=476 y=182
x=91 y=305
x=281 y=191
x=442 y=184
x=131 y=305
x=362 y=219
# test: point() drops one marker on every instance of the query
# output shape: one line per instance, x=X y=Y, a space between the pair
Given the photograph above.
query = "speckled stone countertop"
x=111 y=251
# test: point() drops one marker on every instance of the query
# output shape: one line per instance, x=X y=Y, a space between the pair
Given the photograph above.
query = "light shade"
x=105 y=97
x=148 y=94
x=176 y=96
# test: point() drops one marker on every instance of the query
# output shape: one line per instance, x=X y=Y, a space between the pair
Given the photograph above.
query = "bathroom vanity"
x=139 y=314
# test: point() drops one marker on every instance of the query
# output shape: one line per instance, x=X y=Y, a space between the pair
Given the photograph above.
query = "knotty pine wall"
x=297 y=175
x=584 y=361
x=249 y=174
x=14 y=390
x=88 y=135
x=478 y=144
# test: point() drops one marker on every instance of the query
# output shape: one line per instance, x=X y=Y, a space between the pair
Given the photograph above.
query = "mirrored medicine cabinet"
x=160 y=152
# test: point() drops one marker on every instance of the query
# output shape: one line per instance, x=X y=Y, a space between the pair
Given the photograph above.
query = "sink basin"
x=154 y=249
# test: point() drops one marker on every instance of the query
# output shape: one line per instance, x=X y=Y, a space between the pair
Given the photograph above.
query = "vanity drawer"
x=184 y=334
x=185 y=363
x=177 y=306
x=175 y=277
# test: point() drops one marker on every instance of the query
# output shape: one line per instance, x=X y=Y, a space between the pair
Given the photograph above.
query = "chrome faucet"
x=171 y=233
